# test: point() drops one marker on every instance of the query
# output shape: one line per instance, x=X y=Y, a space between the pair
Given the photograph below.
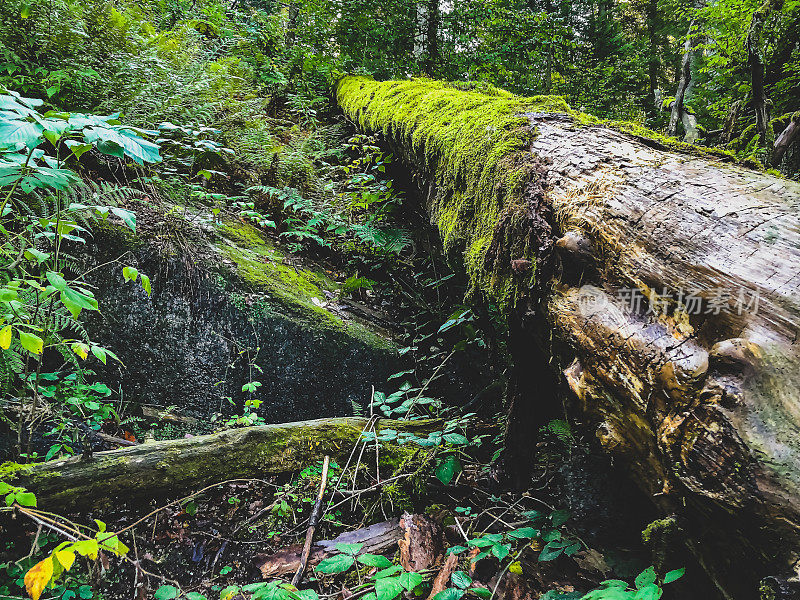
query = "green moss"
x=10 y=470
x=295 y=290
x=262 y=266
x=462 y=137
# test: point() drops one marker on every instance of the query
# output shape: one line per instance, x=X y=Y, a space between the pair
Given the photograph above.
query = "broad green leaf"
x=523 y=533
x=447 y=469
x=145 y=283
x=20 y=132
x=37 y=255
x=127 y=217
x=130 y=273
x=449 y=594
x=388 y=588
x=410 y=580
x=26 y=499
x=195 y=596
x=166 y=592
x=501 y=550
x=338 y=563
x=461 y=580
x=388 y=572
x=87 y=548
x=646 y=577
x=649 y=592
x=100 y=353
x=77 y=148
x=674 y=575
x=481 y=592
x=119 y=142
x=348 y=548
x=375 y=560
x=32 y=343
x=57 y=281
x=550 y=552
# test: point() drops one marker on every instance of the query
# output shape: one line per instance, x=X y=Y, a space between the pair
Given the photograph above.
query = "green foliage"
x=646 y=587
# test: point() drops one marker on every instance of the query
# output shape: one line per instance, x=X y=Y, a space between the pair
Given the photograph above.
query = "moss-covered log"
x=662 y=277
x=183 y=465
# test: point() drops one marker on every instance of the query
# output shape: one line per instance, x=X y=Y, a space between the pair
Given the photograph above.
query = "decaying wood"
x=376 y=539
x=312 y=524
x=675 y=301
x=422 y=543
x=147 y=470
x=443 y=578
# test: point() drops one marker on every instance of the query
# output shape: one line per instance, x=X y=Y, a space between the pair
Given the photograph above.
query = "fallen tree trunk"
x=665 y=283
x=148 y=470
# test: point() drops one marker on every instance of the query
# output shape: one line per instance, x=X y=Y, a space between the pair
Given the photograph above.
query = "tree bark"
x=674 y=304
x=788 y=136
x=432 y=18
x=729 y=128
x=677 y=111
x=158 y=468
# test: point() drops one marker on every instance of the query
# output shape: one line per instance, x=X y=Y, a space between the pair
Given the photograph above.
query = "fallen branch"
x=159 y=468
x=375 y=539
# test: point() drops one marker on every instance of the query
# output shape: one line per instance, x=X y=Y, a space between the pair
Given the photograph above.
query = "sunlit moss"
x=461 y=137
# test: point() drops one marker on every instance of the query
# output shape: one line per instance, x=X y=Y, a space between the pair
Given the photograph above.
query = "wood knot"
x=521 y=265
x=736 y=354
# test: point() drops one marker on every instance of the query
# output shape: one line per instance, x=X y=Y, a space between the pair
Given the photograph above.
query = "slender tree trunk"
x=676 y=114
x=759 y=101
x=730 y=122
x=433 y=17
x=652 y=62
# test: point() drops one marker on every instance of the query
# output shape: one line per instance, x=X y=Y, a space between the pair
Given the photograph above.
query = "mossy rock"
x=228 y=306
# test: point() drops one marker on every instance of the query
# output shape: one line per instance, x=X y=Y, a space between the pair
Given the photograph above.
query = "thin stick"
x=312 y=524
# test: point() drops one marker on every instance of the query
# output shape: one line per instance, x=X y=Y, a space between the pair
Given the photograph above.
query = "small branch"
x=312 y=524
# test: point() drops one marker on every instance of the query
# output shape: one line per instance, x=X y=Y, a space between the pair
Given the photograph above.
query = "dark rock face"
x=204 y=333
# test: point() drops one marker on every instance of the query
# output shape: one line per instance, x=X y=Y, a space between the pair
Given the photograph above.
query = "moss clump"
x=463 y=138
x=298 y=291
x=10 y=470
x=262 y=266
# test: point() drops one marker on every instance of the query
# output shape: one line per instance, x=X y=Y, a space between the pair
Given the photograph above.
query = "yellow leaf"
x=515 y=567
x=5 y=337
x=80 y=349
x=65 y=557
x=38 y=577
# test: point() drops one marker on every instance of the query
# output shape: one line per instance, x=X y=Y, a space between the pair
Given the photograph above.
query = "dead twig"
x=312 y=523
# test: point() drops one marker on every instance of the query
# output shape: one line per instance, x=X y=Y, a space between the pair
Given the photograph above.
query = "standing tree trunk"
x=678 y=110
x=760 y=103
x=433 y=17
x=729 y=128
